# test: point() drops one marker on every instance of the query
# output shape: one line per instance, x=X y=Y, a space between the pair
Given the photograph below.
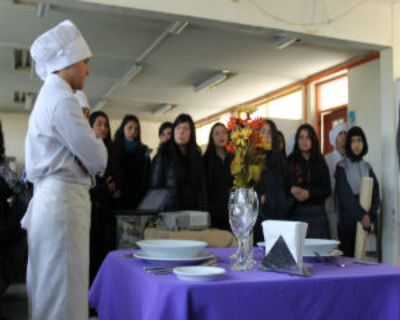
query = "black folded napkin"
x=280 y=259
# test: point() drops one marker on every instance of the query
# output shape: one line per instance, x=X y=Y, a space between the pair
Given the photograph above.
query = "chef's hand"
x=366 y=222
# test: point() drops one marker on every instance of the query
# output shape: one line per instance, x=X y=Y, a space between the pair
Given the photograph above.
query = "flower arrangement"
x=248 y=147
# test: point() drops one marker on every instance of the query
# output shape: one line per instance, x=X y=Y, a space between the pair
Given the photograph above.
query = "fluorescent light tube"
x=212 y=81
x=162 y=108
x=131 y=73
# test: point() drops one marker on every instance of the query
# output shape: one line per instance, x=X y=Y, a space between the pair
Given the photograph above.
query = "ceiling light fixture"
x=177 y=27
x=42 y=9
x=162 y=108
x=212 y=81
x=282 y=41
x=130 y=74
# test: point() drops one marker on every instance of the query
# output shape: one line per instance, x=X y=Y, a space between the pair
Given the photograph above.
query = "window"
x=289 y=106
x=333 y=93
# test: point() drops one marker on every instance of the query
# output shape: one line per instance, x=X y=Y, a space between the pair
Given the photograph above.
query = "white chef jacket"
x=58 y=217
x=332 y=160
x=58 y=134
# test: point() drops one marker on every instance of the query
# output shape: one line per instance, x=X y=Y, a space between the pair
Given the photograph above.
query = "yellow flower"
x=240 y=136
x=248 y=109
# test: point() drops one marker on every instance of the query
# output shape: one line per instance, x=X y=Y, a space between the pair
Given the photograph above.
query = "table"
x=122 y=290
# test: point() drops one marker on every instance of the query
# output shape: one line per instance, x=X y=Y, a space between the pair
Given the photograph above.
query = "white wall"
x=347 y=20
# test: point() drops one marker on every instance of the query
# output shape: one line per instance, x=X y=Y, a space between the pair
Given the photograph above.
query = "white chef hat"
x=59 y=48
x=333 y=134
x=82 y=99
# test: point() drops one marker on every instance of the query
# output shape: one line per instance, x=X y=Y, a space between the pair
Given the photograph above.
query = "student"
x=165 y=132
x=310 y=184
x=61 y=153
x=349 y=172
x=12 y=238
x=131 y=163
x=337 y=139
x=102 y=195
x=281 y=143
x=217 y=162
x=273 y=189
x=179 y=167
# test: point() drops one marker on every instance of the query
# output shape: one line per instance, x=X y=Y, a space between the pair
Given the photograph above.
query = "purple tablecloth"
x=122 y=290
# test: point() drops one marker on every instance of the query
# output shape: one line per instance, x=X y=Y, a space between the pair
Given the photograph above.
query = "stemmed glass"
x=243 y=211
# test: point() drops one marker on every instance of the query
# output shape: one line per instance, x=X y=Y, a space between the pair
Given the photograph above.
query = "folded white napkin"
x=293 y=232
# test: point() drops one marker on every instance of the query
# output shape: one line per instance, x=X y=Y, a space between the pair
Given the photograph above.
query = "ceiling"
x=118 y=37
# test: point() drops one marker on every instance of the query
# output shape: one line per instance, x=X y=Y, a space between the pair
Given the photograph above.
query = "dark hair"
x=211 y=144
x=119 y=136
x=2 y=147
x=315 y=152
x=274 y=156
x=182 y=118
x=92 y=120
x=164 y=125
x=280 y=134
x=356 y=131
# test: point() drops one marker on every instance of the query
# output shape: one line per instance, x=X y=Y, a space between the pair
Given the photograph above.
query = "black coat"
x=219 y=184
x=275 y=188
x=102 y=223
x=312 y=175
x=350 y=210
x=182 y=175
x=132 y=175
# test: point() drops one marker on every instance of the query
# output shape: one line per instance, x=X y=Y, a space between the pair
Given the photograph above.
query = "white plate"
x=309 y=252
x=322 y=246
x=334 y=253
x=198 y=273
x=172 y=248
x=172 y=261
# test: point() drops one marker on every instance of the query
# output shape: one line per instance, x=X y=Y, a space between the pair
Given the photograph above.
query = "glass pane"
x=289 y=106
x=334 y=93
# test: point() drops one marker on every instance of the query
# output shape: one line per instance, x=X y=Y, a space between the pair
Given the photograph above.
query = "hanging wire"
x=308 y=24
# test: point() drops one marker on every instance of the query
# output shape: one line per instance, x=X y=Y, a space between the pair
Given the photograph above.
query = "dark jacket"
x=276 y=191
x=132 y=175
x=349 y=208
x=275 y=188
x=312 y=175
x=182 y=175
x=219 y=184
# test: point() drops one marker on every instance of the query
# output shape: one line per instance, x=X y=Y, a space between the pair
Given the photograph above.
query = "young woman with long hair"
x=217 y=163
x=131 y=163
x=310 y=183
x=178 y=167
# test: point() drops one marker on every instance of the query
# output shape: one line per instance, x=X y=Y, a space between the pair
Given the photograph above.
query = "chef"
x=61 y=153
x=337 y=139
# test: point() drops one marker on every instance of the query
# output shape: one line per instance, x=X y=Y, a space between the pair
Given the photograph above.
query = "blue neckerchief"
x=130 y=146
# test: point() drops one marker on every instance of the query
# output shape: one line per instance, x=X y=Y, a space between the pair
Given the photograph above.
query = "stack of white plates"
x=172 y=252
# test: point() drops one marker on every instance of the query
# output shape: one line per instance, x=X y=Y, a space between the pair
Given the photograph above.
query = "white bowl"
x=323 y=247
x=172 y=248
x=198 y=273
